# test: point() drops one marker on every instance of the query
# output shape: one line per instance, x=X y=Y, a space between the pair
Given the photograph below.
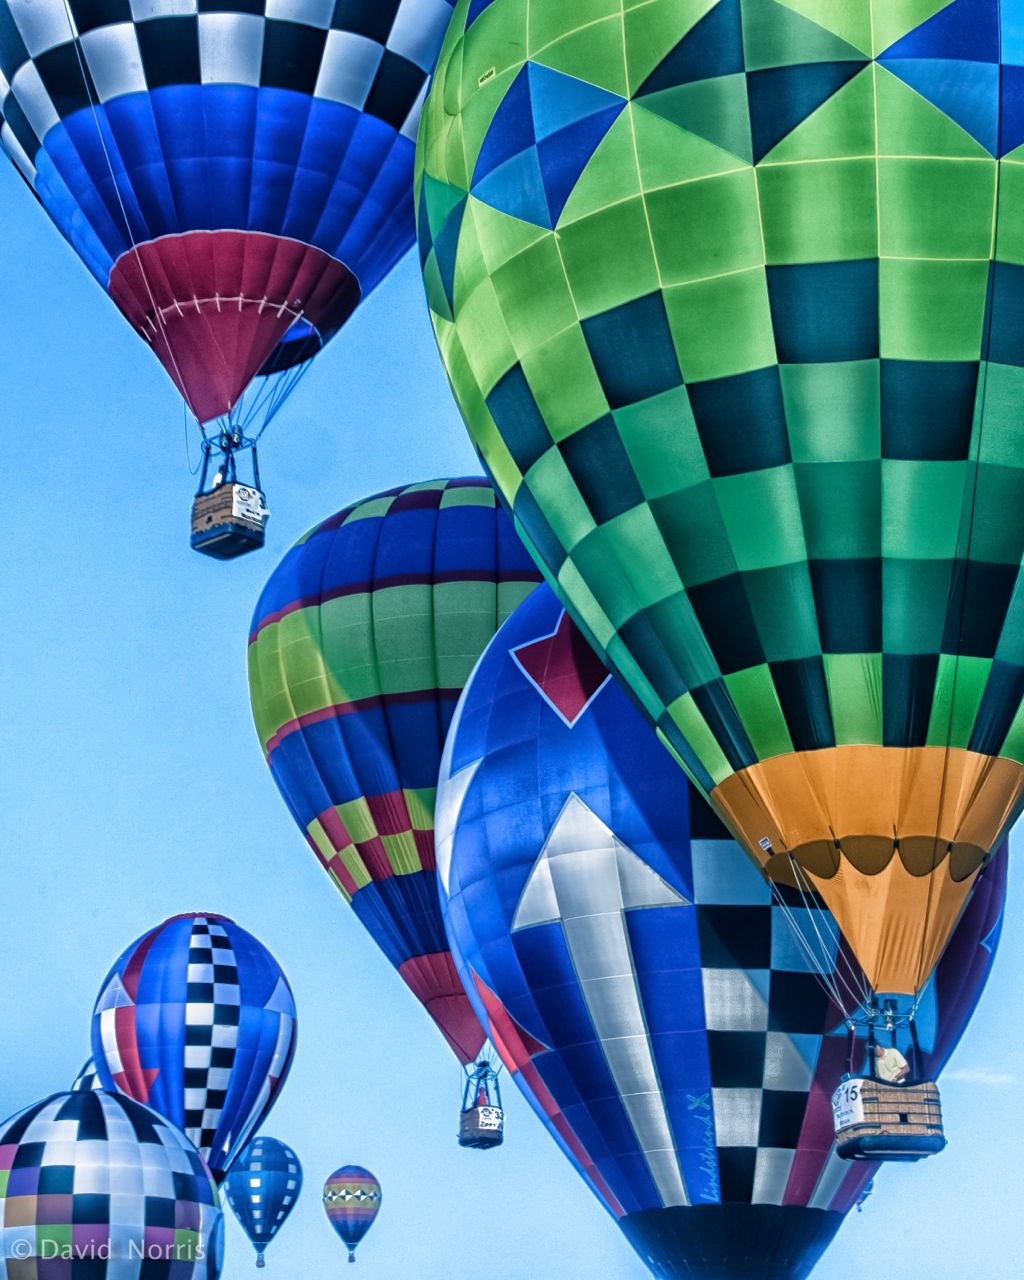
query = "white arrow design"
x=587 y=879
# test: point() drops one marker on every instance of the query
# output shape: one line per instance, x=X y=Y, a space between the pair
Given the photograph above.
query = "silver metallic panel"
x=771 y=1174
x=143 y=9
x=348 y=67
x=737 y=1116
x=584 y=878
x=649 y=1121
x=829 y=1182
x=785 y=1067
x=34 y=100
x=231 y=48
x=314 y=13
x=599 y=946
x=629 y=1058
x=114 y=60
x=614 y=1004
x=43 y=24
x=412 y=120
x=450 y=797
x=418 y=30
x=732 y=1002
x=723 y=874
x=17 y=153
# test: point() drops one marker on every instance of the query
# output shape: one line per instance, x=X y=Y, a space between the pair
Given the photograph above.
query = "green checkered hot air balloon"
x=731 y=295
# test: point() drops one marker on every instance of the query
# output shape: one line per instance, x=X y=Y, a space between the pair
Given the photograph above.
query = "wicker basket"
x=482 y=1127
x=228 y=521
x=880 y=1121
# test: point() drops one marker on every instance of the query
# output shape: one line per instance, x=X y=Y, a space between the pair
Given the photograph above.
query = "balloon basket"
x=875 y=1120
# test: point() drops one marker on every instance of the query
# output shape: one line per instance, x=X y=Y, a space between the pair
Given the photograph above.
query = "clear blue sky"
x=132 y=787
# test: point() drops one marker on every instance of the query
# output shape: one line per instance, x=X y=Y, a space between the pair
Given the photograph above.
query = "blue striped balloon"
x=262 y=1188
x=237 y=176
x=196 y=1019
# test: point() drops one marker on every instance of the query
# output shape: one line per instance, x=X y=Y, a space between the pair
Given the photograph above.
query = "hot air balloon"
x=236 y=176
x=729 y=297
x=351 y=1202
x=197 y=1020
x=664 y=1017
x=93 y=1184
x=360 y=645
x=87 y=1078
x=262 y=1188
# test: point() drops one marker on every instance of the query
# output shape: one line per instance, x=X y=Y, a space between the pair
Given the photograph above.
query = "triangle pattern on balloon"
x=725 y=81
x=476 y=8
x=541 y=139
x=439 y=226
x=952 y=60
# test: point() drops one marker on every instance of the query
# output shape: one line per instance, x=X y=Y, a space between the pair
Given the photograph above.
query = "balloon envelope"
x=94 y=1184
x=351 y=1201
x=262 y=1188
x=729 y=294
x=236 y=176
x=197 y=1020
x=360 y=645
x=87 y=1078
x=660 y=1005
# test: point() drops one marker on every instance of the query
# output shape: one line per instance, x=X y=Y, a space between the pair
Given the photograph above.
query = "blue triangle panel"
x=476 y=8
x=559 y=100
x=711 y=48
x=1011 y=124
x=565 y=155
x=780 y=98
x=423 y=226
x=965 y=31
x=967 y=92
x=517 y=188
x=511 y=130
x=446 y=246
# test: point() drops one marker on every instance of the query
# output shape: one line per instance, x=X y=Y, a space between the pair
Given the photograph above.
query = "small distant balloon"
x=196 y=1019
x=262 y=1188
x=351 y=1201
x=94 y=1185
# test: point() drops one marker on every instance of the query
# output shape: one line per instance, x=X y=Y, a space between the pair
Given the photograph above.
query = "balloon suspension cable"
x=825 y=957
x=481 y=1087
x=226 y=448
x=830 y=940
x=971 y=482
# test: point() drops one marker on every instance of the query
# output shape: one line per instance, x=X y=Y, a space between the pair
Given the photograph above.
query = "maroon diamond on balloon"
x=563 y=669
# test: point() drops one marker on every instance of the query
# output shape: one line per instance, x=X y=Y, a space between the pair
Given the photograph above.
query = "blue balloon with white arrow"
x=676 y=1024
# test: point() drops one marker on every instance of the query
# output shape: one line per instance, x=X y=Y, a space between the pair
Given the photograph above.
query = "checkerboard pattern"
x=213 y=1006
x=372 y=55
x=766 y=1011
x=87 y=1078
x=666 y=1010
x=96 y=1185
x=196 y=1019
x=735 y=322
x=262 y=1189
